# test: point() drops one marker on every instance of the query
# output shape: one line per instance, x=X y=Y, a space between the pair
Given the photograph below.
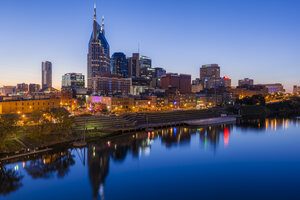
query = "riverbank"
x=97 y=127
x=101 y=126
x=286 y=108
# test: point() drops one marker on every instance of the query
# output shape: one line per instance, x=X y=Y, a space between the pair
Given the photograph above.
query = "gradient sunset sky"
x=259 y=39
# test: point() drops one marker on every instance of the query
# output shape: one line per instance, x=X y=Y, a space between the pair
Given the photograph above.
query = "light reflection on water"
x=248 y=159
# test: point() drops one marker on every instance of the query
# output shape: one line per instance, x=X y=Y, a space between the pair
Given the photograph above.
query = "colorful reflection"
x=226 y=137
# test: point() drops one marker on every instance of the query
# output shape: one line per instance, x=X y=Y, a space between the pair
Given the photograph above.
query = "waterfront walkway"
x=211 y=121
x=110 y=123
x=143 y=121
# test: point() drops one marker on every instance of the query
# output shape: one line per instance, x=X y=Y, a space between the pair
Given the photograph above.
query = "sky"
x=258 y=39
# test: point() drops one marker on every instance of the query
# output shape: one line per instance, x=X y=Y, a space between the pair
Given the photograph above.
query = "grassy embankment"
x=39 y=130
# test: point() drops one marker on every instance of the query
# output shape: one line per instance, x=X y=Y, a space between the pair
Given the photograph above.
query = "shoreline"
x=96 y=136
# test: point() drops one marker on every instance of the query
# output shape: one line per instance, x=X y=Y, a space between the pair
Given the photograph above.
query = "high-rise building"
x=145 y=62
x=148 y=73
x=98 y=58
x=46 y=74
x=197 y=85
x=134 y=65
x=34 y=87
x=146 y=69
x=156 y=79
x=245 y=82
x=181 y=82
x=185 y=85
x=296 y=90
x=72 y=82
x=8 y=90
x=119 y=64
x=224 y=82
x=107 y=86
x=22 y=87
x=159 y=72
x=210 y=71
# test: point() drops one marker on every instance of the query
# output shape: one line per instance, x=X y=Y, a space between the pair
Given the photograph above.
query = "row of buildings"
x=118 y=82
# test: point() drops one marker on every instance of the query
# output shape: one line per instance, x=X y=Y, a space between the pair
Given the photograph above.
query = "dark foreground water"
x=257 y=159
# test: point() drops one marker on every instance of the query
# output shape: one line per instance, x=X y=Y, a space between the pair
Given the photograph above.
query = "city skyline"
x=264 y=47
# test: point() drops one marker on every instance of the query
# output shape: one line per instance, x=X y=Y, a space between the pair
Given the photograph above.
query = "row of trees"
x=53 y=120
x=256 y=105
x=8 y=124
x=254 y=100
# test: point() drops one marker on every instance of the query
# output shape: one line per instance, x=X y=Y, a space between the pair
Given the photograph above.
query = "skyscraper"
x=210 y=71
x=119 y=64
x=46 y=75
x=34 y=87
x=72 y=82
x=22 y=87
x=145 y=62
x=159 y=72
x=134 y=65
x=145 y=68
x=98 y=58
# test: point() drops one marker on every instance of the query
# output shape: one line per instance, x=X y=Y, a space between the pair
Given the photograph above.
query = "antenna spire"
x=95 y=11
x=95 y=23
x=102 y=27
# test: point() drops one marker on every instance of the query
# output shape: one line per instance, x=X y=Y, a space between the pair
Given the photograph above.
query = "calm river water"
x=254 y=159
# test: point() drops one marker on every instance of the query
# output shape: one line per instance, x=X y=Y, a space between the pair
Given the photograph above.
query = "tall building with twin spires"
x=98 y=58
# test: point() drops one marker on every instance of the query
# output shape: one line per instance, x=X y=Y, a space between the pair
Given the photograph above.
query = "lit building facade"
x=106 y=86
x=46 y=74
x=296 y=90
x=8 y=90
x=34 y=87
x=159 y=72
x=28 y=106
x=121 y=103
x=273 y=87
x=98 y=58
x=249 y=90
x=246 y=81
x=119 y=64
x=210 y=71
x=181 y=82
x=145 y=62
x=197 y=88
x=148 y=73
x=140 y=85
x=224 y=82
x=111 y=103
x=72 y=82
x=22 y=88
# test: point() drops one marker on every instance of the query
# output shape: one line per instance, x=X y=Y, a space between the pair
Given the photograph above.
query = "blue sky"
x=258 y=39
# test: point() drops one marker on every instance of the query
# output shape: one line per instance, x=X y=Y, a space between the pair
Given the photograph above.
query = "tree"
x=40 y=124
x=258 y=99
x=61 y=117
x=9 y=180
x=8 y=123
x=254 y=100
x=35 y=117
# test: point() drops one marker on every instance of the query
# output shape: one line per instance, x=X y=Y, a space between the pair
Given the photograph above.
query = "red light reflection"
x=226 y=137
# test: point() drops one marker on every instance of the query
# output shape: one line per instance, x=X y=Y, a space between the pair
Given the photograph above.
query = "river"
x=253 y=159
